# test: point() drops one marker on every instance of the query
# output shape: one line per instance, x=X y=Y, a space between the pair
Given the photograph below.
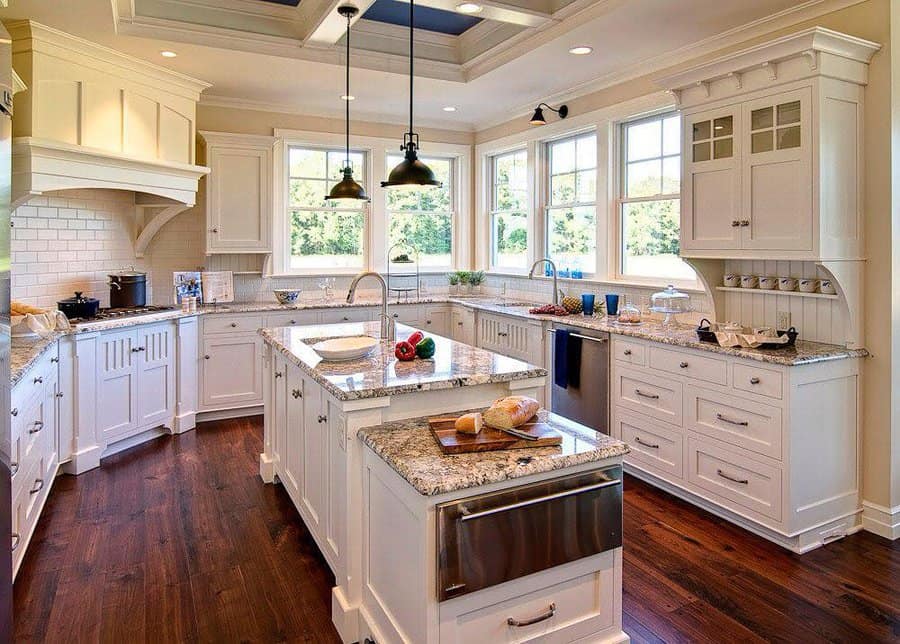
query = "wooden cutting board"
x=452 y=442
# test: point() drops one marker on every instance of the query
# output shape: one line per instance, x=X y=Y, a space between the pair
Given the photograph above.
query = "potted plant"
x=463 y=282
x=453 y=279
x=476 y=279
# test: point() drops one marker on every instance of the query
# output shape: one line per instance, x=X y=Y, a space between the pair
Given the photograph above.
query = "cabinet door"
x=340 y=315
x=238 y=199
x=291 y=449
x=275 y=413
x=711 y=190
x=437 y=320
x=117 y=389
x=336 y=520
x=492 y=331
x=525 y=342
x=231 y=374
x=777 y=173
x=315 y=460
x=156 y=375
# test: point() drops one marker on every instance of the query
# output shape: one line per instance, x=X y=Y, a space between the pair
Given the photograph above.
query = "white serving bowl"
x=339 y=349
x=287 y=295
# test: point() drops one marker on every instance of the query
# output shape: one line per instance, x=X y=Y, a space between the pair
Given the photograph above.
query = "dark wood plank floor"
x=178 y=540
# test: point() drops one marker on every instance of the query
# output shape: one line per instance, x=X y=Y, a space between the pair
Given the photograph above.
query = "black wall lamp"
x=538 y=117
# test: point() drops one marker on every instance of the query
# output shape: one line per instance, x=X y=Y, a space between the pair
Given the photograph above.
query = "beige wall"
x=881 y=383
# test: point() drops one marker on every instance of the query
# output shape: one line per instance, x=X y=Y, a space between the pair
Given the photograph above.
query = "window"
x=423 y=217
x=572 y=204
x=324 y=234
x=509 y=210
x=649 y=199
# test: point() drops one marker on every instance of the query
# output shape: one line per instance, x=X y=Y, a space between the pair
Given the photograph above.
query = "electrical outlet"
x=784 y=320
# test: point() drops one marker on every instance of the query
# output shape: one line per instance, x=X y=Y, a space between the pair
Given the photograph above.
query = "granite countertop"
x=409 y=447
x=381 y=374
x=24 y=352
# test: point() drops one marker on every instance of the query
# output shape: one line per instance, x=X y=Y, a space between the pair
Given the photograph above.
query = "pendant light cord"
x=411 y=3
x=347 y=98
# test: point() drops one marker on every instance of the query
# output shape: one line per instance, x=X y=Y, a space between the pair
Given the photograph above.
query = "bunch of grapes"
x=548 y=309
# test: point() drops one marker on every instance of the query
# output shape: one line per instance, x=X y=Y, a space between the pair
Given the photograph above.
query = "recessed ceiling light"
x=468 y=7
x=449 y=108
x=348 y=97
x=581 y=50
x=167 y=54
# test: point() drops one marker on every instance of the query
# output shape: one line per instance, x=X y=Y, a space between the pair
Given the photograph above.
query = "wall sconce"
x=538 y=117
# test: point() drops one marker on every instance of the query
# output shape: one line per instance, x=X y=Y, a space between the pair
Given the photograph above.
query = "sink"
x=352 y=348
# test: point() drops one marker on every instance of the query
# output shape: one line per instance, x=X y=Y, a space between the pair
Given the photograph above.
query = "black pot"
x=127 y=289
x=79 y=306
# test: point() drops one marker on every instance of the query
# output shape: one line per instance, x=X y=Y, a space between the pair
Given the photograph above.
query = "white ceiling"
x=623 y=33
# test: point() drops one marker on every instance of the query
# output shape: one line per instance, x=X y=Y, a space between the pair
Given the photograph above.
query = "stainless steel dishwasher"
x=588 y=403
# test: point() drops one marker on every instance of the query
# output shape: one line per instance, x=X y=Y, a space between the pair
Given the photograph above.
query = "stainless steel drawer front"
x=493 y=538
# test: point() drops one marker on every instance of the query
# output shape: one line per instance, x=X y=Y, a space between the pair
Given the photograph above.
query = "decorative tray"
x=705 y=333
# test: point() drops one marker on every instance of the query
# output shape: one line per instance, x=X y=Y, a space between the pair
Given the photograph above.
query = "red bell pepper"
x=405 y=351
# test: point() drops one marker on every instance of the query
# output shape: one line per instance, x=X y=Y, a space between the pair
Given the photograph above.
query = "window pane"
x=672 y=135
x=586 y=186
x=644 y=179
x=509 y=235
x=650 y=240
x=562 y=157
x=572 y=237
x=307 y=163
x=510 y=169
x=562 y=188
x=308 y=193
x=586 y=152
x=430 y=234
x=671 y=175
x=336 y=160
x=644 y=140
x=327 y=239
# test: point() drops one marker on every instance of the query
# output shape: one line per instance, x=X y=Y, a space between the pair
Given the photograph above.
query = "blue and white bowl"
x=287 y=295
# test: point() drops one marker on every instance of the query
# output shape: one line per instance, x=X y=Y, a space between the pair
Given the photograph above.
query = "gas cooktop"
x=128 y=312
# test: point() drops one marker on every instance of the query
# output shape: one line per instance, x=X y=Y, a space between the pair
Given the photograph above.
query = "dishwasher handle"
x=583 y=337
x=470 y=516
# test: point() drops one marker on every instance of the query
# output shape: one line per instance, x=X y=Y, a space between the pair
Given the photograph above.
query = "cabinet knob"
x=459 y=324
x=233 y=325
x=278 y=374
x=745 y=223
x=754 y=380
x=396 y=315
x=427 y=321
x=213 y=230
x=206 y=357
x=59 y=394
x=296 y=393
x=52 y=360
x=323 y=419
x=38 y=426
x=293 y=321
x=345 y=318
x=627 y=352
x=683 y=365
x=38 y=380
x=138 y=349
x=735 y=223
x=14 y=411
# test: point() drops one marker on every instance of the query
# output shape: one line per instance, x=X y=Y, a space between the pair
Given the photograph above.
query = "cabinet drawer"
x=734 y=478
x=652 y=444
x=753 y=426
x=35 y=381
x=290 y=318
x=574 y=609
x=217 y=323
x=689 y=364
x=629 y=352
x=758 y=380
x=651 y=395
x=347 y=314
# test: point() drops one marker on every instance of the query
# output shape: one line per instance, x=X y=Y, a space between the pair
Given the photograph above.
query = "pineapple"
x=572 y=304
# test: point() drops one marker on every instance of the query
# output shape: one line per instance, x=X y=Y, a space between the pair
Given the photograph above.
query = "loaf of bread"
x=511 y=412
x=469 y=423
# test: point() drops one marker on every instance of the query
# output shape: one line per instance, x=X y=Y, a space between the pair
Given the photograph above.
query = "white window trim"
x=376 y=150
x=490 y=212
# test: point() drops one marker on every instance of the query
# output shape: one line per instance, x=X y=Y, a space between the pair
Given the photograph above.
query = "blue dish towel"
x=561 y=358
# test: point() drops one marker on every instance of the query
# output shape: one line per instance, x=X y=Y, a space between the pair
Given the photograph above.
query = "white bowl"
x=351 y=348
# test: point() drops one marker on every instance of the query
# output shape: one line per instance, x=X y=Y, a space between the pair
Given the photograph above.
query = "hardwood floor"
x=179 y=540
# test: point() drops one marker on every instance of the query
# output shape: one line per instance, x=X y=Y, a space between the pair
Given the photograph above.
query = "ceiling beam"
x=329 y=24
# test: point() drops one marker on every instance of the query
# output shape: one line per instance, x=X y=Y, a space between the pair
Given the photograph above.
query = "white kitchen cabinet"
x=314 y=447
x=436 y=319
x=231 y=371
x=771 y=448
x=462 y=325
x=349 y=314
x=239 y=192
x=772 y=150
x=291 y=448
x=511 y=336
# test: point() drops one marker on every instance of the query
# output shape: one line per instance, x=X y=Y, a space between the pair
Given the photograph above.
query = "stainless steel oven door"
x=492 y=538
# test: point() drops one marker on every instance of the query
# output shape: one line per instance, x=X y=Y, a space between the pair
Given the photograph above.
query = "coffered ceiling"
x=491 y=66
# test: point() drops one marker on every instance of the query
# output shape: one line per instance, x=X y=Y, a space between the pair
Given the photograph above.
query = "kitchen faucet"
x=388 y=327
x=555 y=285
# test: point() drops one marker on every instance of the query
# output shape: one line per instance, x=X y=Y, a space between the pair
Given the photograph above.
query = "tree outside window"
x=509 y=210
x=423 y=217
x=324 y=234
x=571 y=234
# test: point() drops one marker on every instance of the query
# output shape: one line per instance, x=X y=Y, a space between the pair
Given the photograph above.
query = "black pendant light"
x=347 y=188
x=538 y=117
x=411 y=171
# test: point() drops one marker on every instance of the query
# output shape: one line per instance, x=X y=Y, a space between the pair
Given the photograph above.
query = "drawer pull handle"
x=233 y=325
x=754 y=380
x=731 y=478
x=38 y=426
x=453 y=588
x=293 y=321
x=396 y=315
x=206 y=357
x=278 y=374
x=725 y=419
x=745 y=223
x=13 y=469
x=15 y=541
x=38 y=486
x=518 y=623
x=322 y=419
x=59 y=394
x=637 y=439
x=38 y=380
x=138 y=349
x=296 y=393
x=735 y=223
x=14 y=411
x=627 y=352
x=683 y=365
x=502 y=334
x=645 y=395
x=345 y=318
x=53 y=360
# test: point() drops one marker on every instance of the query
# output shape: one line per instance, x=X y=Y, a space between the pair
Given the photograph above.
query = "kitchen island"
x=314 y=411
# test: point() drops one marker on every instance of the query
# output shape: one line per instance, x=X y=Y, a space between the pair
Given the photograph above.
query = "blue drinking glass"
x=612 y=304
x=587 y=303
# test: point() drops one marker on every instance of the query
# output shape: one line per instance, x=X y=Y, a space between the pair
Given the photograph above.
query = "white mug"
x=768 y=283
x=827 y=287
x=787 y=284
x=731 y=280
x=807 y=286
x=749 y=281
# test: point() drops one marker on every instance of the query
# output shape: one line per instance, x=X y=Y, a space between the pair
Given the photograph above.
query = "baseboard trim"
x=184 y=423
x=86 y=459
x=344 y=617
x=881 y=520
x=225 y=414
